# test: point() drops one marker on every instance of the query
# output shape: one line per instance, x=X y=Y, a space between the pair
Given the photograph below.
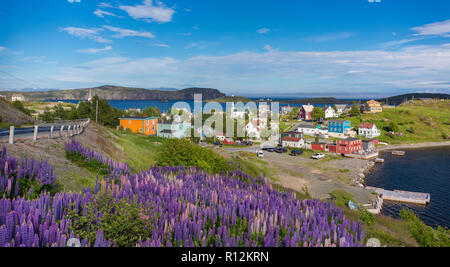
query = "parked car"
x=271 y=149
x=248 y=143
x=218 y=144
x=281 y=150
x=296 y=153
x=318 y=156
x=260 y=154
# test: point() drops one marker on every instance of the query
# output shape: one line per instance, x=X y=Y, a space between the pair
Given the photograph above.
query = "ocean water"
x=165 y=106
x=424 y=170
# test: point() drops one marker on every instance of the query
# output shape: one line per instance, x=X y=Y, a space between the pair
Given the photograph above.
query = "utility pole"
x=96 y=111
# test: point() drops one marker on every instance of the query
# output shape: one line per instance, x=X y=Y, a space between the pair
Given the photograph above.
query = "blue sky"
x=345 y=48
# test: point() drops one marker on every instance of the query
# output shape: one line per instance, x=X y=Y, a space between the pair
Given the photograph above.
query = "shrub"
x=176 y=152
x=122 y=221
x=425 y=235
x=366 y=217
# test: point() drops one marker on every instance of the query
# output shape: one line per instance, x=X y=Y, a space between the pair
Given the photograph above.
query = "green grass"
x=391 y=232
x=6 y=125
x=138 y=151
x=419 y=122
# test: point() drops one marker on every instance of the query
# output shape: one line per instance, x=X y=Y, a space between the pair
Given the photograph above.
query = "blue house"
x=339 y=126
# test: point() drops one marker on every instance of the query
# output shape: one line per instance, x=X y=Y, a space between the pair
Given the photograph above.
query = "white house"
x=341 y=109
x=286 y=110
x=293 y=142
x=312 y=130
x=368 y=130
x=254 y=128
x=17 y=97
x=330 y=113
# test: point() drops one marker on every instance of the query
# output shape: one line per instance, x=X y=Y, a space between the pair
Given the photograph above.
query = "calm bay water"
x=165 y=106
x=421 y=170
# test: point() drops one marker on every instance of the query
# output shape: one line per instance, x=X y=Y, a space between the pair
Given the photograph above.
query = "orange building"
x=145 y=126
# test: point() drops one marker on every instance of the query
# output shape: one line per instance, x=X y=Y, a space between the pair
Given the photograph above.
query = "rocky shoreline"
x=359 y=178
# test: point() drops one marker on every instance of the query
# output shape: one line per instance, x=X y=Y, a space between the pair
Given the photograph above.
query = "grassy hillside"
x=419 y=121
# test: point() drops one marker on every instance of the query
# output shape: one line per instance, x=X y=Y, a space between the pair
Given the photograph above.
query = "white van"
x=260 y=154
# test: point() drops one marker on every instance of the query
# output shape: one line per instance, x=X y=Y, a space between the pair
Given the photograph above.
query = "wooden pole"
x=35 y=133
x=11 y=135
x=51 y=131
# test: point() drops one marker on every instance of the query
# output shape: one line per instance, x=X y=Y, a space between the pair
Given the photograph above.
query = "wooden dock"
x=362 y=156
x=403 y=196
x=398 y=153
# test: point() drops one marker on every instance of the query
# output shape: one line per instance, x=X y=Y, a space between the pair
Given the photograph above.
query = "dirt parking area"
x=321 y=177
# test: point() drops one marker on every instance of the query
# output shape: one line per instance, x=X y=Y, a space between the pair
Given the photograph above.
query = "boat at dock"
x=398 y=153
x=378 y=160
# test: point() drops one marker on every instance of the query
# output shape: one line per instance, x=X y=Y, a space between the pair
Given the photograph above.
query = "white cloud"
x=2 y=49
x=95 y=50
x=263 y=31
x=150 y=12
x=101 y=13
x=331 y=37
x=84 y=33
x=438 y=28
x=105 y=5
x=74 y=1
x=268 y=48
x=411 y=68
x=160 y=45
x=127 y=33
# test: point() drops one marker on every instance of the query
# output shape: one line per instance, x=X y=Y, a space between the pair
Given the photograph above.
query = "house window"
x=141 y=130
x=129 y=122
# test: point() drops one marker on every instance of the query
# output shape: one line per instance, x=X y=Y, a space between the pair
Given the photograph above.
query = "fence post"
x=35 y=133
x=61 y=130
x=51 y=131
x=11 y=135
x=68 y=131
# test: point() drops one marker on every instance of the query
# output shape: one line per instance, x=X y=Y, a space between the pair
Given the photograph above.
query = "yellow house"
x=372 y=106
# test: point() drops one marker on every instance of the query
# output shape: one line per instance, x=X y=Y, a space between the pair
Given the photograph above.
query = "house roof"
x=339 y=121
x=308 y=108
x=341 y=106
x=372 y=102
x=291 y=139
x=366 y=125
x=138 y=118
x=168 y=131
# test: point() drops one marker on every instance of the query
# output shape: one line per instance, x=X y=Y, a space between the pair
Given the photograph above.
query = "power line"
x=20 y=79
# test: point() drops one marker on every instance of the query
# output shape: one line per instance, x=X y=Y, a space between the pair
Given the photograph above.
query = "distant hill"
x=10 y=115
x=321 y=100
x=227 y=99
x=110 y=92
x=397 y=100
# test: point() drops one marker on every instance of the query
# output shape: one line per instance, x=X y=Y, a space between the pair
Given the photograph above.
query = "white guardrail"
x=54 y=130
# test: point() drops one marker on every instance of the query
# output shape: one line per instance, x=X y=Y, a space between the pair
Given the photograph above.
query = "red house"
x=319 y=146
x=348 y=146
x=305 y=112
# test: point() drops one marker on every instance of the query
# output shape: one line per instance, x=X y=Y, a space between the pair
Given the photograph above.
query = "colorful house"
x=372 y=106
x=348 y=146
x=339 y=126
x=305 y=112
x=368 y=130
x=145 y=126
x=319 y=146
x=293 y=142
